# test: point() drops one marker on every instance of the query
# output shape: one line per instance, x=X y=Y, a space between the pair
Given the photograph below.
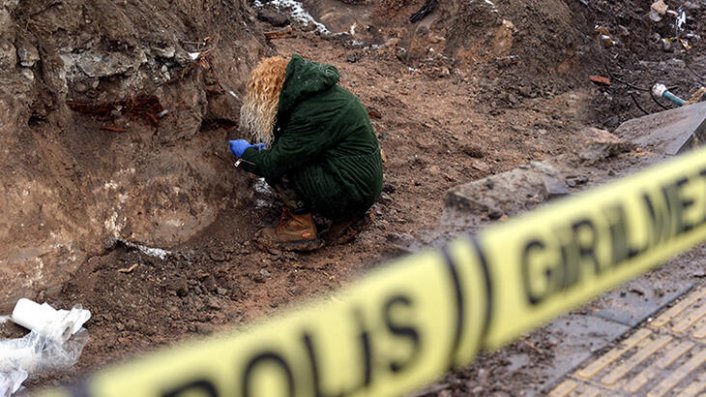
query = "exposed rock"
x=100 y=129
x=29 y=55
x=101 y=64
x=273 y=16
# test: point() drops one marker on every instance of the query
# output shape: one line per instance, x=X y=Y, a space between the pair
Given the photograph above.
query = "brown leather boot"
x=295 y=232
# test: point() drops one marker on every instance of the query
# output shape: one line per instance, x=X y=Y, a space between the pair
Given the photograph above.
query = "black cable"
x=633 y=86
x=638 y=104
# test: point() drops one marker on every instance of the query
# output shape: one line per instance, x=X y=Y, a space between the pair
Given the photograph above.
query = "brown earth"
x=472 y=89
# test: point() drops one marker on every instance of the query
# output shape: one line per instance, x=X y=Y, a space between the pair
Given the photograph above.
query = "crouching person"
x=314 y=145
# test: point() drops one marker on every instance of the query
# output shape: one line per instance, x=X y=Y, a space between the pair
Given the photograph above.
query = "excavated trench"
x=114 y=116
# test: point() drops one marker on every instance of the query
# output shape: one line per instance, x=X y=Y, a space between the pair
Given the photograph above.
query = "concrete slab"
x=670 y=132
x=532 y=184
x=578 y=337
x=509 y=192
x=636 y=301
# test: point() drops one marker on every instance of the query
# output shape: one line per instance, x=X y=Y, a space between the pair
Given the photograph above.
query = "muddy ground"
x=470 y=90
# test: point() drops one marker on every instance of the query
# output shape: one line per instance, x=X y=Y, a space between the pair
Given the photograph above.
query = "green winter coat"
x=324 y=143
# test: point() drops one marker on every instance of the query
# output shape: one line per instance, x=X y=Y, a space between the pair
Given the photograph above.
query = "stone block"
x=670 y=132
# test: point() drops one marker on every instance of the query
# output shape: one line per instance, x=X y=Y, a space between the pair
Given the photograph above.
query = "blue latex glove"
x=239 y=146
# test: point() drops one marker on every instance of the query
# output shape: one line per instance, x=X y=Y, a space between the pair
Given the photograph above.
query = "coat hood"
x=303 y=78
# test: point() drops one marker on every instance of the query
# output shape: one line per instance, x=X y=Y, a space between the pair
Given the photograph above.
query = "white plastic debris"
x=47 y=321
x=680 y=21
x=10 y=382
x=56 y=340
x=149 y=251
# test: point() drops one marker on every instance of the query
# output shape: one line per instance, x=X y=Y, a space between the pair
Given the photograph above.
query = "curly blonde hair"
x=259 y=110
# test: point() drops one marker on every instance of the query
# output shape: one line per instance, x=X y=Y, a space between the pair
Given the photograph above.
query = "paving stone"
x=639 y=299
x=509 y=192
x=670 y=132
x=579 y=337
x=666 y=357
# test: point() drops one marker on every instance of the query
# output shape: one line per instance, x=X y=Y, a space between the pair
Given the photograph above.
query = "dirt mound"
x=112 y=116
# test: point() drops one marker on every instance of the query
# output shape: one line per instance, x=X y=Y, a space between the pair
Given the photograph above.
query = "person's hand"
x=239 y=146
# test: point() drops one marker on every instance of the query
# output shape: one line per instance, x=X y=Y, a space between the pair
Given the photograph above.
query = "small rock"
x=660 y=7
x=352 y=57
x=221 y=291
x=474 y=151
x=120 y=327
x=203 y=329
x=218 y=256
x=109 y=243
x=481 y=166
x=167 y=51
x=667 y=45
x=28 y=74
x=525 y=91
x=274 y=18
x=401 y=54
x=214 y=304
x=132 y=325
x=28 y=56
x=574 y=181
x=495 y=214
x=374 y=113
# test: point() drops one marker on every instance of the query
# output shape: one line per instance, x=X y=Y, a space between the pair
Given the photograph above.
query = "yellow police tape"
x=406 y=324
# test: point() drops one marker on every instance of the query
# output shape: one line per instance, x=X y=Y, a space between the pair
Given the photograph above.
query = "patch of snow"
x=150 y=251
x=297 y=11
x=155 y=252
x=262 y=187
x=259 y=203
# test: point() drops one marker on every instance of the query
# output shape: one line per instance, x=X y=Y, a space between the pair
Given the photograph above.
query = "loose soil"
x=469 y=91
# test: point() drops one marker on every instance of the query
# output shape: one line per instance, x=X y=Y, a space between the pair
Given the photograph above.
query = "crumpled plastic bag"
x=11 y=381
x=56 y=343
x=36 y=353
